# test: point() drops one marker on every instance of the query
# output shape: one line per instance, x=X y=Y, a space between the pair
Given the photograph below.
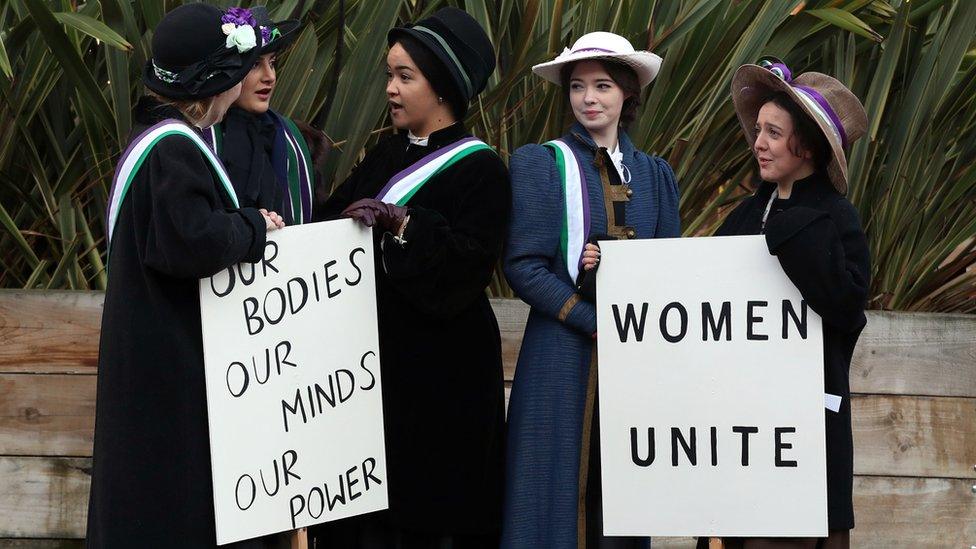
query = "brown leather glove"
x=389 y=217
x=362 y=210
x=384 y=215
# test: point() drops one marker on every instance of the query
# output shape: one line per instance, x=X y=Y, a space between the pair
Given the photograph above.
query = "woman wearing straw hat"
x=588 y=185
x=798 y=129
x=270 y=158
x=173 y=218
x=440 y=201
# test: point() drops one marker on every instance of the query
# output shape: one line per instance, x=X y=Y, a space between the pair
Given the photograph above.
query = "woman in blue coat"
x=588 y=185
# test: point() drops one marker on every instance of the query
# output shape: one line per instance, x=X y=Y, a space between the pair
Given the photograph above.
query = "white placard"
x=293 y=383
x=724 y=361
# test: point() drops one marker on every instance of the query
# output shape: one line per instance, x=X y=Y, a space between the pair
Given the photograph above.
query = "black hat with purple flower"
x=199 y=51
x=274 y=35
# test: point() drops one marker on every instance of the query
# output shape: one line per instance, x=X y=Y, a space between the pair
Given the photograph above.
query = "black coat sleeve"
x=825 y=253
x=449 y=256
x=190 y=234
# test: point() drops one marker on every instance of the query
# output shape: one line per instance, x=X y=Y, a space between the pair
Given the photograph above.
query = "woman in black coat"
x=798 y=129
x=440 y=201
x=172 y=219
x=270 y=158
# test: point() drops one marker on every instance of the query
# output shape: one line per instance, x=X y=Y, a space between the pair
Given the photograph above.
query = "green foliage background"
x=70 y=73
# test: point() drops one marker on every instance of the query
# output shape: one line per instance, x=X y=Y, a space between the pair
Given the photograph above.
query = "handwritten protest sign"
x=711 y=392
x=293 y=383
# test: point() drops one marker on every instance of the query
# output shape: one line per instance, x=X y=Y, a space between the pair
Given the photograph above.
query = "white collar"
x=617 y=158
x=419 y=141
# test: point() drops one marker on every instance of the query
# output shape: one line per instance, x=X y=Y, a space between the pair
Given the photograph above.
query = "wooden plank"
x=47 y=415
x=511 y=315
x=912 y=513
x=48 y=498
x=44 y=497
x=673 y=543
x=895 y=436
x=10 y=543
x=916 y=354
x=49 y=331
x=914 y=436
x=898 y=353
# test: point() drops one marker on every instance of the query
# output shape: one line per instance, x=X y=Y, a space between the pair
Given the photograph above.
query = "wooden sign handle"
x=299 y=539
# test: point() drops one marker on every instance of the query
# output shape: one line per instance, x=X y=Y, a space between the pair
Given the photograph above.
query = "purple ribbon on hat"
x=786 y=75
x=601 y=50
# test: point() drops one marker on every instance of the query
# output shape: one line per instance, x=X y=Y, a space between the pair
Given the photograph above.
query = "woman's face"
x=258 y=85
x=775 y=146
x=596 y=99
x=413 y=102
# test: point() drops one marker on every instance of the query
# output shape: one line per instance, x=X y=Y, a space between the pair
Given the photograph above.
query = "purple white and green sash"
x=137 y=152
x=295 y=171
x=402 y=186
x=576 y=219
x=299 y=167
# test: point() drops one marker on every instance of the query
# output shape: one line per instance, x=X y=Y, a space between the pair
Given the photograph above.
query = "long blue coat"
x=545 y=414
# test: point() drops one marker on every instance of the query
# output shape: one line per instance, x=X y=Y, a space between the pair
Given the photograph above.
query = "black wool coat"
x=440 y=350
x=151 y=479
x=816 y=235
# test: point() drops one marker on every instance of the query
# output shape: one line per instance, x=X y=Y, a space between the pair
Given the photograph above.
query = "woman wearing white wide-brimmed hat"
x=590 y=184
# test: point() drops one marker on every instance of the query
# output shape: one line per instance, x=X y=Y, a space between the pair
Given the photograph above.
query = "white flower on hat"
x=243 y=38
x=228 y=28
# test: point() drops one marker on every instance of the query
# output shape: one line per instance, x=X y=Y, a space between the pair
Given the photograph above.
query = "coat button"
x=630 y=192
x=631 y=233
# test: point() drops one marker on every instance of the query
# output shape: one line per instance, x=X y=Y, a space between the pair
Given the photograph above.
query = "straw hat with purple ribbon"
x=832 y=106
x=603 y=45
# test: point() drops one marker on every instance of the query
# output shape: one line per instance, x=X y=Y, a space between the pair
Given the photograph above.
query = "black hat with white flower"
x=199 y=51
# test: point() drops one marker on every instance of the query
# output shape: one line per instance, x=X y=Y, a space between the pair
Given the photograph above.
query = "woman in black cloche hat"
x=439 y=200
x=270 y=158
x=173 y=218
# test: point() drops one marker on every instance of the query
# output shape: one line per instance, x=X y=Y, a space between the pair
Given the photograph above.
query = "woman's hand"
x=272 y=220
x=591 y=256
x=370 y=211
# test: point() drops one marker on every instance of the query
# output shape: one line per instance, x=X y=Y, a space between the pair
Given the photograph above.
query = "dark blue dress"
x=545 y=415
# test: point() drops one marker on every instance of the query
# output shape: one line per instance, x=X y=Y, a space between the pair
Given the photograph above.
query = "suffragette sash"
x=292 y=164
x=402 y=186
x=137 y=152
x=576 y=220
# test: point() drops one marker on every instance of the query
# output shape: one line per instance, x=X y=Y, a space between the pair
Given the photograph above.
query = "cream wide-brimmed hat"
x=603 y=45
x=833 y=107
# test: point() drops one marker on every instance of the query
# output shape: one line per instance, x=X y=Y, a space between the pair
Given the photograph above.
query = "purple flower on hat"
x=265 y=35
x=811 y=97
x=239 y=16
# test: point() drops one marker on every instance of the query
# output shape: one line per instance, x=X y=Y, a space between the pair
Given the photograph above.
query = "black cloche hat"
x=459 y=42
x=199 y=51
x=274 y=35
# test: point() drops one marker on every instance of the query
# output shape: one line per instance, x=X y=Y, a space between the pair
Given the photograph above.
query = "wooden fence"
x=914 y=379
